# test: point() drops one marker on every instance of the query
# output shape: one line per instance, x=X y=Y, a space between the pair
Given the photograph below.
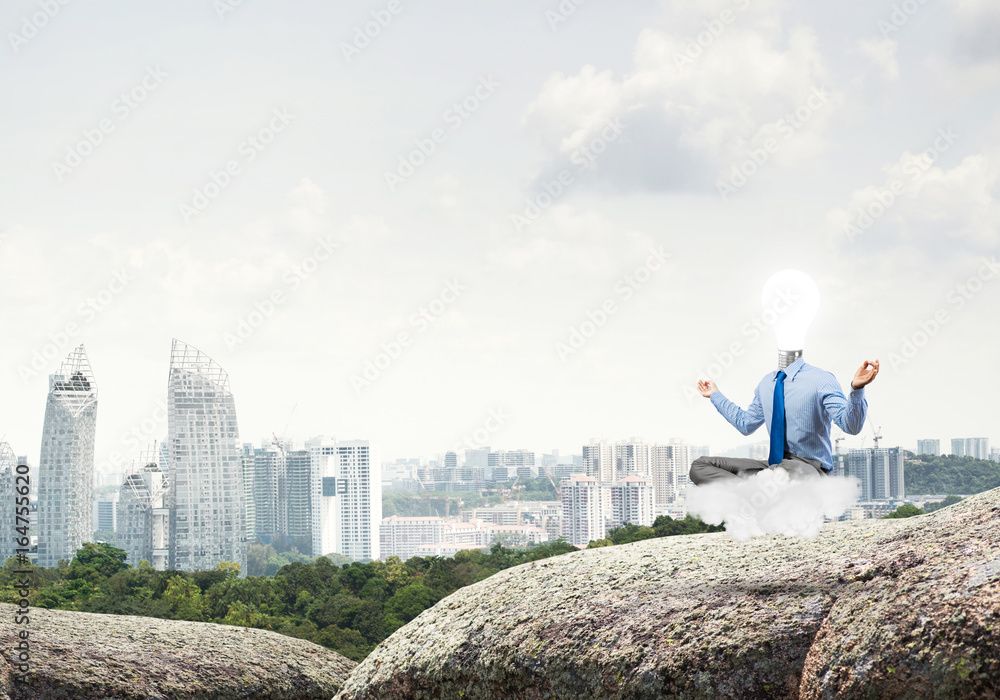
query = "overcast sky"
x=291 y=186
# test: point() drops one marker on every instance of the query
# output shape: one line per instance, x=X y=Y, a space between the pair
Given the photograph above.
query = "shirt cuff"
x=857 y=393
x=716 y=398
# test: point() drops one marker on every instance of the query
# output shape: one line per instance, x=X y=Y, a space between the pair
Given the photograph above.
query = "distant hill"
x=950 y=474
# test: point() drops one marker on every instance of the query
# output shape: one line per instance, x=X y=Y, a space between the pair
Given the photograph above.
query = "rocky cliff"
x=871 y=609
x=82 y=655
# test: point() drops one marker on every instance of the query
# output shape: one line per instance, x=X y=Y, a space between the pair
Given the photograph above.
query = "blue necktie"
x=778 y=421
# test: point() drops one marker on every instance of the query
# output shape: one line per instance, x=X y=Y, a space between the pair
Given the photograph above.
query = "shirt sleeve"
x=848 y=412
x=745 y=421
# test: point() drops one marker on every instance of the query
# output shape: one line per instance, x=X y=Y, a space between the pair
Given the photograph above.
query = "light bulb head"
x=790 y=299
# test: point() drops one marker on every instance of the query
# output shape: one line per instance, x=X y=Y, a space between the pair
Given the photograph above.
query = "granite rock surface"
x=84 y=655
x=905 y=608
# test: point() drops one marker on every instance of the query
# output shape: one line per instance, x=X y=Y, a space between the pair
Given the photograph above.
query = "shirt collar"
x=791 y=370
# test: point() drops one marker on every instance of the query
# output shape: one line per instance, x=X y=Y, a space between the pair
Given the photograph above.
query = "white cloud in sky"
x=691 y=109
x=938 y=210
x=882 y=52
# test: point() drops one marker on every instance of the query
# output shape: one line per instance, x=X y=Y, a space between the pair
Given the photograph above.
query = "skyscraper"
x=978 y=447
x=106 y=512
x=671 y=463
x=928 y=447
x=586 y=507
x=350 y=473
x=9 y=506
x=143 y=518
x=206 y=480
x=958 y=447
x=634 y=457
x=880 y=471
x=270 y=492
x=304 y=487
x=66 y=463
x=599 y=460
x=631 y=502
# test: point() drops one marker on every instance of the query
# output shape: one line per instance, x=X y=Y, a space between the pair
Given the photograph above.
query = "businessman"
x=797 y=404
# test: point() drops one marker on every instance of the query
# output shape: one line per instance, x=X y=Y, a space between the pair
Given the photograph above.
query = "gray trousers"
x=705 y=470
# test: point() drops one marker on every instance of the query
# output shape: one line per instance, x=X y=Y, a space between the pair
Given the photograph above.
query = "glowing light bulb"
x=791 y=299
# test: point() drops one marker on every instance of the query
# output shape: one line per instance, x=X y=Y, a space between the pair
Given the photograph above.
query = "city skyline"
x=567 y=230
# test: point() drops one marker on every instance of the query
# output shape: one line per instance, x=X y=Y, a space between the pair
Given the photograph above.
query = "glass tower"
x=205 y=484
x=66 y=464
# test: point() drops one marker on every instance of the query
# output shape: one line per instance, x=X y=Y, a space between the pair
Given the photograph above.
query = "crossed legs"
x=705 y=470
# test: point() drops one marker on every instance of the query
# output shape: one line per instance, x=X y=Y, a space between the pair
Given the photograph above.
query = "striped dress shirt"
x=813 y=399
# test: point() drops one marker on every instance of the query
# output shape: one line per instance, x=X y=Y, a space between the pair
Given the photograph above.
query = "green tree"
x=938 y=505
x=184 y=596
x=907 y=510
x=104 y=559
x=408 y=602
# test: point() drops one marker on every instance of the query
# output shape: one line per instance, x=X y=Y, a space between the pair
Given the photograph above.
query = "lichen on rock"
x=85 y=655
x=879 y=609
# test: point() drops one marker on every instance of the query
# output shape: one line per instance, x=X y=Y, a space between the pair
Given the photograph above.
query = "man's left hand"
x=865 y=374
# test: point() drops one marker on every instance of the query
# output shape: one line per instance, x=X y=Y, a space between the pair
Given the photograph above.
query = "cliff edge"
x=869 y=609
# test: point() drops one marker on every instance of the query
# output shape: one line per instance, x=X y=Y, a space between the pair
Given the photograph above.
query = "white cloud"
x=923 y=205
x=692 y=105
x=883 y=54
x=979 y=28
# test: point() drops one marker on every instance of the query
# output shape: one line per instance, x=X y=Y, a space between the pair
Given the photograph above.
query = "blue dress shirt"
x=813 y=399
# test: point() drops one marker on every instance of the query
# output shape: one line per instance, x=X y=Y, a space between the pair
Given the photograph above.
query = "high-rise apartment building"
x=205 y=472
x=671 y=464
x=66 y=464
x=586 y=504
x=881 y=472
x=971 y=447
x=352 y=492
x=634 y=457
x=928 y=447
x=958 y=447
x=978 y=447
x=11 y=504
x=270 y=490
x=300 y=485
x=599 y=460
x=478 y=457
x=632 y=502
x=144 y=518
x=106 y=512
x=509 y=464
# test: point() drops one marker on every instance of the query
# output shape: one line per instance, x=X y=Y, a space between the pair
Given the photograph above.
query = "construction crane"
x=552 y=481
x=877 y=436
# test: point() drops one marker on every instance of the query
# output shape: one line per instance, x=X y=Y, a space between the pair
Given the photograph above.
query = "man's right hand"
x=706 y=389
